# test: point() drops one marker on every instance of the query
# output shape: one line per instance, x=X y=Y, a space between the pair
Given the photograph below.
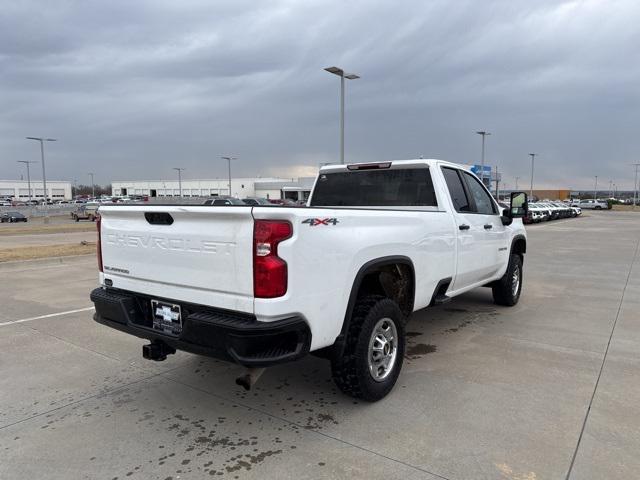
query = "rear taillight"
x=269 y=270
x=99 y=245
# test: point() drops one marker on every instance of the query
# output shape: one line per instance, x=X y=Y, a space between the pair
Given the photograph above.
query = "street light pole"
x=517 y=178
x=595 y=188
x=93 y=186
x=533 y=159
x=179 y=179
x=635 y=186
x=44 y=175
x=610 y=188
x=484 y=134
x=228 y=159
x=27 y=162
x=348 y=76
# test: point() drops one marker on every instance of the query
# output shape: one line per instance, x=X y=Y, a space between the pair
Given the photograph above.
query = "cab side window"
x=484 y=202
x=456 y=190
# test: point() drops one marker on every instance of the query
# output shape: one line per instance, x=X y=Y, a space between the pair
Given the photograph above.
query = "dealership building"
x=19 y=189
x=266 y=187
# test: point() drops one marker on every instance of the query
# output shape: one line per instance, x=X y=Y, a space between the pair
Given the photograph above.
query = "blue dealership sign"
x=478 y=168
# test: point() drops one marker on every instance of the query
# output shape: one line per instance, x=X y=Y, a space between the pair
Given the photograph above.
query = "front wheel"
x=374 y=350
x=506 y=291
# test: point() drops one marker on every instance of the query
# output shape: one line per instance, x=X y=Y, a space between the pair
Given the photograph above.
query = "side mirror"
x=519 y=206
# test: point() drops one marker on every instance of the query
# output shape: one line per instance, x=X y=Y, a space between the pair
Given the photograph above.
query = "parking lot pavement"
x=486 y=391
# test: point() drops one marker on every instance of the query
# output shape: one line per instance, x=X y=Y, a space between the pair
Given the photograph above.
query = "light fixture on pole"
x=533 y=159
x=93 y=186
x=44 y=175
x=349 y=76
x=179 y=179
x=27 y=162
x=228 y=159
x=484 y=134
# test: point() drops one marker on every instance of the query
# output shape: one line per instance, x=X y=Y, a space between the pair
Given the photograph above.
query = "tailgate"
x=198 y=254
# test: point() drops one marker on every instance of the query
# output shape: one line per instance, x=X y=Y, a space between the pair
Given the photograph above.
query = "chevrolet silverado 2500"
x=262 y=285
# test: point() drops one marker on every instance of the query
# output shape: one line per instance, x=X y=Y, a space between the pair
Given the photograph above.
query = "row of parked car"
x=544 y=211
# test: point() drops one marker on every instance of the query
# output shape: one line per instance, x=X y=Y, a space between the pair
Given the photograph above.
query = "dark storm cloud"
x=132 y=89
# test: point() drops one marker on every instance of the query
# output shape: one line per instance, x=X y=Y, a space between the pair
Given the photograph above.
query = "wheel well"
x=394 y=281
x=393 y=277
x=519 y=246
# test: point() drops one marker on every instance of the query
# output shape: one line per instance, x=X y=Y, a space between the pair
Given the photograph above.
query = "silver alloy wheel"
x=515 y=281
x=383 y=349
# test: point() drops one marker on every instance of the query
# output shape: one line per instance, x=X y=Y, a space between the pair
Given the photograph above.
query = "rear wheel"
x=374 y=350
x=506 y=291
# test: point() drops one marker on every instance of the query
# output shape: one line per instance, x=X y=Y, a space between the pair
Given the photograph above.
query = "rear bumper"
x=231 y=336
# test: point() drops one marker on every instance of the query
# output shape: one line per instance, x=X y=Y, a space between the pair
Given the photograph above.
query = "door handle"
x=464 y=227
x=488 y=226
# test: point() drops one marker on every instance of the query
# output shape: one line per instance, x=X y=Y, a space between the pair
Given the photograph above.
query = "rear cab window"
x=394 y=187
x=457 y=191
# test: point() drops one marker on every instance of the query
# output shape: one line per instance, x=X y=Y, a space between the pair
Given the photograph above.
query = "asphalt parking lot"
x=549 y=389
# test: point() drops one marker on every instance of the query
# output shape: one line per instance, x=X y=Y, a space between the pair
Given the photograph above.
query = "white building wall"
x=19 y=189
x=271 y=194
x=240 y=187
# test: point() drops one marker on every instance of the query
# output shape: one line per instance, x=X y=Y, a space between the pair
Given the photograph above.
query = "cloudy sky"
x=132 y=89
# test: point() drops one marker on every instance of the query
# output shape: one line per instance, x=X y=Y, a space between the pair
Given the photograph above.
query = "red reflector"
x=269 y=270
x=99 y=244
x=368 y=166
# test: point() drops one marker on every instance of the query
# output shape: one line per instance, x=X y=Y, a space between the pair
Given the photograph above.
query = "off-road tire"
x=505 y=291
x=351 y=371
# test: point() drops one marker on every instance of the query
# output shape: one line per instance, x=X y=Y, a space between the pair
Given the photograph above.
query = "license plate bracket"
x=167 y=317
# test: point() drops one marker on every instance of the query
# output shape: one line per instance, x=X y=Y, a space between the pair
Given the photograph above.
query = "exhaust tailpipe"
x=250 y=377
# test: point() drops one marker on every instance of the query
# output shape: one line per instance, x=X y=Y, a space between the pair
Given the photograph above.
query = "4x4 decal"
x=320 y=221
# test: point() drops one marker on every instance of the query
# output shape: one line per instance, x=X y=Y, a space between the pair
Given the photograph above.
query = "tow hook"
x=250 y=377
x=157 y=351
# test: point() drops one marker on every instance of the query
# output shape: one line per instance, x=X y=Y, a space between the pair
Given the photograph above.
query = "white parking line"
x=47 y=316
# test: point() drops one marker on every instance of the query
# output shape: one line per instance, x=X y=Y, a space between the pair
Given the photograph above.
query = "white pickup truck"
x=264 y=285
